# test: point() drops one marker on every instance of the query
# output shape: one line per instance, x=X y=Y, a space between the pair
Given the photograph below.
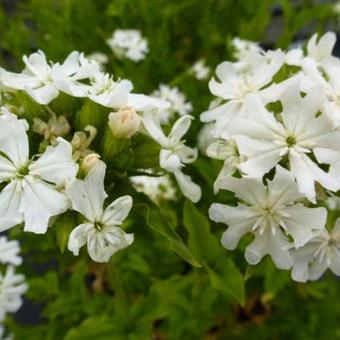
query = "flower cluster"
x=277 y=130
x=128 y=44
x=177 y=100
x=65 y=172
x=12 y=285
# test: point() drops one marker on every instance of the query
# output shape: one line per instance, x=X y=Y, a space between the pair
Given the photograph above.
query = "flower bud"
x=124 y=123
x=89 y=162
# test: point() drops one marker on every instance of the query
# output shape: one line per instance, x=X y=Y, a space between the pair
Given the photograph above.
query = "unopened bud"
x=89 y=162
x=124 y=123
x=53 y=128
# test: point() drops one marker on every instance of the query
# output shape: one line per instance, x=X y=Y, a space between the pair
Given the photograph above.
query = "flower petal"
x=240 y=221
x=272 y=245
x=56 y=164
x=302 y=222
x=153 y=128
x=283 y=188
x=247 y=189
x=10 y=200
x=189 y=189
x=88 y=196
x=102 y=245
x=40 y=201
x=43 y=94
x=117 y=211
x=180 y=128
x=78 y=237
x=13 y=138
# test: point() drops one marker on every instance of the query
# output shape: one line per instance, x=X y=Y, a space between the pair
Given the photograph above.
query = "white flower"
x=30 y=195
x=100 y=58
x=177 y=99
x=100 y=230
x=264 y=140
x=316 y=75
x=128 y=44
x=157 y=188
x=107 y=92
x=227 y=151
x=234 y=85
x=12 y=286
x=68 y=77
x=142 y=103
x=319 y=254
x=270 y=214
x=42 y=80
x=244 y=48
x=200 y=70
x=318 y=50
x=205 y=138
x=9 y=251
x=2 y=334
x=321 y=49
x=174 y=154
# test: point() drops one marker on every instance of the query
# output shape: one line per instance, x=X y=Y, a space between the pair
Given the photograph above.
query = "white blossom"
x=174 y=154
x=244 y=47
x=301 y=132
x=9 y=251
x=31 y=195
x=319 y=254
x=200 y=70
x=43 y=80
x=12 y=286
x=270 y=213
x=100 y=58
x=234 y=86
x=100 y=230
x=2 y=334
x=108 y=92
x=128 y=44
x=227 y=151
x=327 y=77
x=318 y=50
x=205 y=138
x=157 y=188
x=178 y=103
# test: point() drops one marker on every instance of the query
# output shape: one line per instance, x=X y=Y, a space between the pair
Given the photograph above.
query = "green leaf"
x=92 y=114
x=275 y=279
x=94 y=327
x=146 y=152
x=157 y=222
x=63 y=227
x=202 y=243
x=44 y=287
x=117 y=152
x=227 y=278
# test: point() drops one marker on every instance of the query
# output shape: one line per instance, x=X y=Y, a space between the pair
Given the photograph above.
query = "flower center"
x=291 y=141
x=22 y=171
x=99 y=226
